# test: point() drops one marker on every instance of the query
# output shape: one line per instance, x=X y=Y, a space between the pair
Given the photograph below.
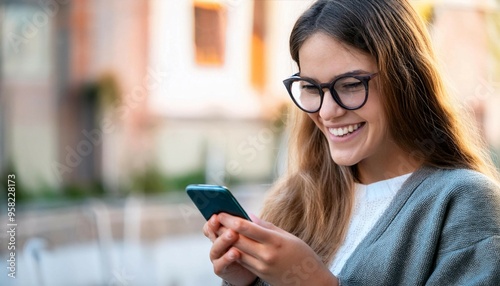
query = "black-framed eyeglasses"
x=350 y=91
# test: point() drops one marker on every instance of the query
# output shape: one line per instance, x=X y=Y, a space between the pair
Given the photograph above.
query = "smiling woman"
x=386 y=183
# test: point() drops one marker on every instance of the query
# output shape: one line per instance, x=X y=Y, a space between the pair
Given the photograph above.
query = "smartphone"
x=214 y=199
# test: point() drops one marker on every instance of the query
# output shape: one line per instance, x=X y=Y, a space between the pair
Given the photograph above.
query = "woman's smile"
x=346 y=130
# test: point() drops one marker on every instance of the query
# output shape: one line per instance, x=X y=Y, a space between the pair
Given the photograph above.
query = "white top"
x=370 y=203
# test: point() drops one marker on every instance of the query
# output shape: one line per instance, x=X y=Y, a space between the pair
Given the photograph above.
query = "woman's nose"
x=330 y=108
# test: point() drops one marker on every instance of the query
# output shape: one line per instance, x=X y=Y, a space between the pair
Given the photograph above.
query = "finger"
x=253 y=217
x=224 y=264
x=222 y=244
x=209 y=232
x=214 y=221
x=250 y=262
x=211 y=228
x=264 y=223
x=250 y=247
x=215 y=225
x=221 y=230
x=245 y=227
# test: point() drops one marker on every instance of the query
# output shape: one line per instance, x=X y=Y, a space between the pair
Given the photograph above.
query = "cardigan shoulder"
x=467 y=202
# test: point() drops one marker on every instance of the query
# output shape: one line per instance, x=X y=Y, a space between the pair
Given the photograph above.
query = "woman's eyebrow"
x=353 y=72
x=356 y=72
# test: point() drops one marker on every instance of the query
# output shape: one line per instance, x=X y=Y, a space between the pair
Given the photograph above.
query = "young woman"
x=386 y=183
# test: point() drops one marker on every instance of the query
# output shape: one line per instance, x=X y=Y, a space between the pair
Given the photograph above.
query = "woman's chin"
x=343 y=161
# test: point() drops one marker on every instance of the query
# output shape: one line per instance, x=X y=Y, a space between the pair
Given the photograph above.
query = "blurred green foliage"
x=152 y=181
x=20 y=191
x=149 y=181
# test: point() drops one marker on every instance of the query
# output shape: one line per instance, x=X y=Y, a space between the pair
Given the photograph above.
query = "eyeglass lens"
x=351 y=92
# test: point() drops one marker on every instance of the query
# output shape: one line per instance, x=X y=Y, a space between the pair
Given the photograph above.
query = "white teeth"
x=339 y=132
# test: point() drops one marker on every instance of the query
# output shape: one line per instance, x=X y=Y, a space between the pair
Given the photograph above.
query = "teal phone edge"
x=215 y=199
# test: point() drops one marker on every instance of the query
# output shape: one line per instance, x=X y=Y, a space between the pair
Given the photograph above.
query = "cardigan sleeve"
x=477 y=264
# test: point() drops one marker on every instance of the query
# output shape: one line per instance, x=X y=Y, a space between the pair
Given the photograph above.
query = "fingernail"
x=229 y=235
x=254 y=218
x=231 y=255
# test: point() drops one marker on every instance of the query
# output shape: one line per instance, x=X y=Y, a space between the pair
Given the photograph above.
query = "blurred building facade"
x=466 y=35
x=63 y=63
x=99 y=90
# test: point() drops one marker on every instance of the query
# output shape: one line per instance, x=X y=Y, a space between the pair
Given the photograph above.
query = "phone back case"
x=213 y=199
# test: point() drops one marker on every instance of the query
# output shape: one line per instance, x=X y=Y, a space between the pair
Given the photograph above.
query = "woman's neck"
x=378 y=169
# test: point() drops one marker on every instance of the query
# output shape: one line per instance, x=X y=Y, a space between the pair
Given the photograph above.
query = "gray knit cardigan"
x=442 y=228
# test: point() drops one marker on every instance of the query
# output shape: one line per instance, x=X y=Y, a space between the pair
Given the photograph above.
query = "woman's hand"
x=224 y=256
x=269 y=252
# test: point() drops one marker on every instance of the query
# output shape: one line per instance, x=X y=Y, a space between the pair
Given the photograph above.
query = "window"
x=209 y=33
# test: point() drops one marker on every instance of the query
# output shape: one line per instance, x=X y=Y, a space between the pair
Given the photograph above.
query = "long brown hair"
x=314 y=199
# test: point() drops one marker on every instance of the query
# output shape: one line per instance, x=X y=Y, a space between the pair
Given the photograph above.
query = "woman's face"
x=358 y=136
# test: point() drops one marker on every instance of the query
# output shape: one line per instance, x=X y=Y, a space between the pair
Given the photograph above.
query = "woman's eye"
x=352 y=86
x=309 y=88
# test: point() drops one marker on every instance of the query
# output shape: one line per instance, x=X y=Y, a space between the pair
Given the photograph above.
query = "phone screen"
x=214 y=199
